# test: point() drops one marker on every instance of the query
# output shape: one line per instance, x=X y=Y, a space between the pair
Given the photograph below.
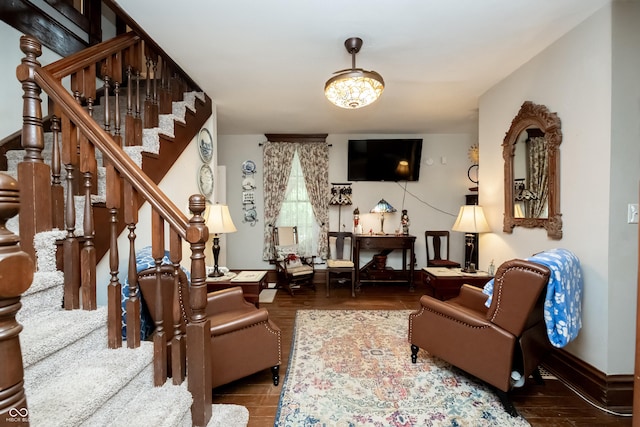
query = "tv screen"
x=384 y=159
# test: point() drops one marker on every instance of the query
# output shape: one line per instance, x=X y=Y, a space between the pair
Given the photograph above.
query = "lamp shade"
x=383 y=207
x=219 y=220
x=471 y=219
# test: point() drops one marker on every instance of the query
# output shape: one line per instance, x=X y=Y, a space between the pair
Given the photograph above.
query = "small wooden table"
x=251 y=282
x=385 y=243
x=444 y=283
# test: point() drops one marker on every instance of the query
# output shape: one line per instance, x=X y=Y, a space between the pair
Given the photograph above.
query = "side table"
x=251 y=282
x=444 y=283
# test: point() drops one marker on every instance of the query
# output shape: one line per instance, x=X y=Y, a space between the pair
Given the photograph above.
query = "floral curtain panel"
x=277 y=157
x=538 y=176
x=314 y=160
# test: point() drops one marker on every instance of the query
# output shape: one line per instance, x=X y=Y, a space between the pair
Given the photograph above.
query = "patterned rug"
x=353 y=368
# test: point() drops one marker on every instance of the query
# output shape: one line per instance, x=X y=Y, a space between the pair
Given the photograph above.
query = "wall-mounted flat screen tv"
x=384 y=159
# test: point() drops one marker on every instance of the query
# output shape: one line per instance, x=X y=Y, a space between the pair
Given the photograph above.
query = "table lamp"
x=219 y=222
x=382 y=207
x=471 y=220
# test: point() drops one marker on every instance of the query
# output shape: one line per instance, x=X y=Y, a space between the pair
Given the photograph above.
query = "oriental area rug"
x=353 y=368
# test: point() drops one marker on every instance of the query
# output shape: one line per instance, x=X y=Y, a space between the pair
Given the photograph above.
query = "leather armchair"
x=244 y=340
x=488 y=343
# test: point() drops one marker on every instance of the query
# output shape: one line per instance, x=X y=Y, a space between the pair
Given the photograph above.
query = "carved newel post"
x=16 y=272
x=199 y=327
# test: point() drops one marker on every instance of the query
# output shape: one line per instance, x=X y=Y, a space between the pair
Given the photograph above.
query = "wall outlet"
x=632 y=213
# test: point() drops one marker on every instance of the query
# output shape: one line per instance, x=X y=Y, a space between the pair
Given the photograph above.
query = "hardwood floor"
x=551 y=404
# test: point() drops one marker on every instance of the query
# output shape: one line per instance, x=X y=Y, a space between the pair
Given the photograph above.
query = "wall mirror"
x=532 y=171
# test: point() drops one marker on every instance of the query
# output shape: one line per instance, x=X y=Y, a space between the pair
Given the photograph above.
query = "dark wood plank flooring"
x=551 y=404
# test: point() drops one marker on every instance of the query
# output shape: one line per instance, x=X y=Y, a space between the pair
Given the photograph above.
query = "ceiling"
x=265 y=63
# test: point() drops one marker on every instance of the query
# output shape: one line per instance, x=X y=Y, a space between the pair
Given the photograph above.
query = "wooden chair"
x=339 y=261
x=292 y=269
x=435 y=238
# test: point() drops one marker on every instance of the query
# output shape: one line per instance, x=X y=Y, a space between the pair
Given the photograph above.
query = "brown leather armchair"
x=244 y=340
x=488 y=343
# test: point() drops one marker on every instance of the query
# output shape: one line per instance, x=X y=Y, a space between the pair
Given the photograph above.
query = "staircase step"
x=44 y=335
x=75 y=391
x=165 y=406
x=45 y=294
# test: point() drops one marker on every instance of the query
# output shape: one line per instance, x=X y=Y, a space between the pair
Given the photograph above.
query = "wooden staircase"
x=48 y=193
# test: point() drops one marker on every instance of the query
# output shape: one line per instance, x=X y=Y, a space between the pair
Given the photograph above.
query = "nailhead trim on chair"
x=500 y=281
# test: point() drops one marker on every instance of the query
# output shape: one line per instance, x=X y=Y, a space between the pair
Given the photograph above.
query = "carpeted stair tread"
x=54 y=330
x=166 y=406
x=77 y=390
x=45 y=294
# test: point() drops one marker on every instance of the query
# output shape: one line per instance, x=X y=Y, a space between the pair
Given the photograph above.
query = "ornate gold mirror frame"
x=533 y=116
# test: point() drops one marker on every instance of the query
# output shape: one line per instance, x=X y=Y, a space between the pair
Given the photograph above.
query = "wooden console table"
x=444 y=283
x=251 y=282
x=385 y=243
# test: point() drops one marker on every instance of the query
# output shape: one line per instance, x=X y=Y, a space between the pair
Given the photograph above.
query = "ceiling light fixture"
x=354 y=87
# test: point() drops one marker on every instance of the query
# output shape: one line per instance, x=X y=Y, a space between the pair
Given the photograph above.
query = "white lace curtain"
x=314 y=160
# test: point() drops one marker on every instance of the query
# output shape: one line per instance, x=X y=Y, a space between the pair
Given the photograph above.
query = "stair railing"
x=127 y=187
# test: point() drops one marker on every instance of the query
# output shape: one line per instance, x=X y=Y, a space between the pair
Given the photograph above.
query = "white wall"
x=573 y=78
x=11 y=102
x=432 y=202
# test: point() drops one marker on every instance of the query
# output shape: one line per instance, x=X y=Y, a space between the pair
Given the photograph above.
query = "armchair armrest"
x=229 y=299
x=472 y=297
x=451 y=311
x=234 y=320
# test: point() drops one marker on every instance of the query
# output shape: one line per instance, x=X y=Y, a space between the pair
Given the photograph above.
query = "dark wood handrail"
x=104 y=142
x=91 y=55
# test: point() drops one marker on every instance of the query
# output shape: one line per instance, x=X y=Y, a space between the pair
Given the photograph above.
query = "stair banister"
x=34 y=79
x=103 y=141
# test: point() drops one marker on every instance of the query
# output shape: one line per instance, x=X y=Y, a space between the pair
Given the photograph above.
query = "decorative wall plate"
x=250 y=215
x=248 y=167
x=248 y=183
x=205 y=180
x=205 y=145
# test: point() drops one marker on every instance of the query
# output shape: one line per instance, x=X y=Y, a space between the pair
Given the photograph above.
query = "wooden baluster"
x=154 y=97
x=198 y=329
x=82 y=138
x=147 y=98
x=71 y=249
x=151 y=119
x=16 y=268
x=88 y=260
x=130 y=199
x=137 y=120
x=165 y=106
x=178 y=342
x=114 y=289
x=57 y=191
x=33 y=174
x=107 y=101
x=117 y=137
x=129 y=120
x=159 y=337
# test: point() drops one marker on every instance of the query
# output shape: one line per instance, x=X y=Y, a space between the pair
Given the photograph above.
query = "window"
x=297 y=210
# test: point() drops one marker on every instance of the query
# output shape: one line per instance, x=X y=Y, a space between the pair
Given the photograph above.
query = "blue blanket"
x=563 y=302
